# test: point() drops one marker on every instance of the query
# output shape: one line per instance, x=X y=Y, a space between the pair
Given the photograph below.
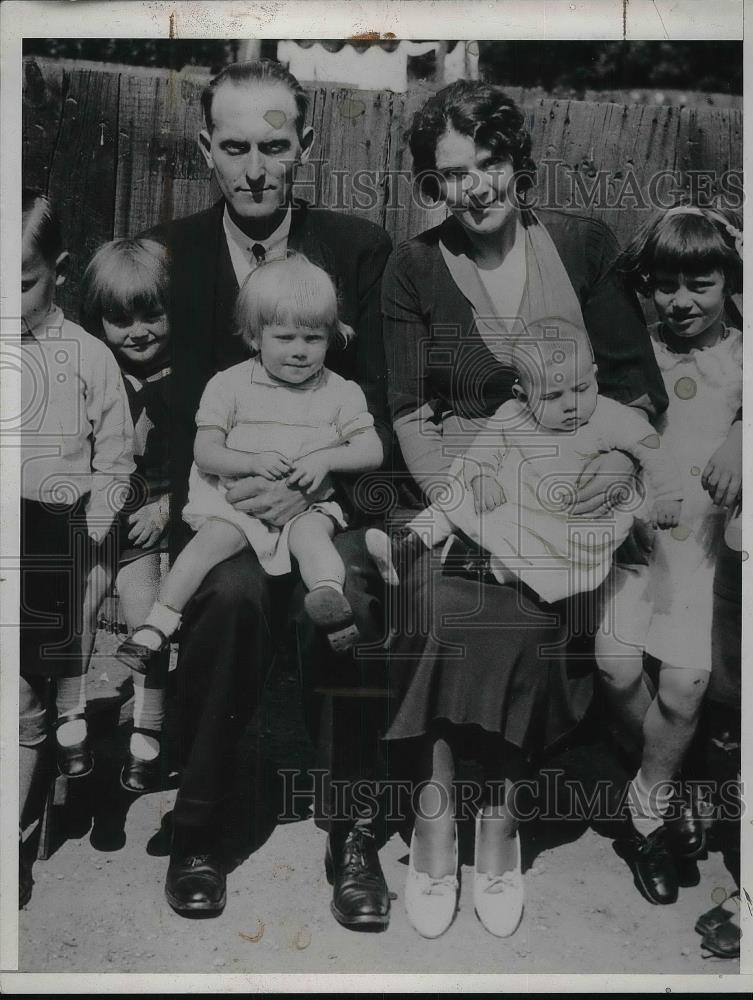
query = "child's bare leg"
x=138 y=585
x=215 y=541
x=70 y=695
x=671 y=721
x=310 y=541
x=625 y=687
x=323 y=573
x=668 y=728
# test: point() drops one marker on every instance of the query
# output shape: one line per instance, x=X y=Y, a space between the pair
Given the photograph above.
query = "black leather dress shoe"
x=195 y=885
x=723 y=941
x=652 y=865
x=360 y=898
x=140 y=776
x=74 y=761
x=686 y=835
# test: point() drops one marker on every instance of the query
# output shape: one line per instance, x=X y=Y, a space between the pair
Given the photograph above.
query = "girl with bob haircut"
x=125 y=292
x=689 y=261
x=282 y=415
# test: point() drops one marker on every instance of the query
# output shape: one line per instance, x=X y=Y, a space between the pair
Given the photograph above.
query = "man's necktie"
x=259 y=252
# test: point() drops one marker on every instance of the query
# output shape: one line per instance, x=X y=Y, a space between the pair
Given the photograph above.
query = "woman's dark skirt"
x=478 y=654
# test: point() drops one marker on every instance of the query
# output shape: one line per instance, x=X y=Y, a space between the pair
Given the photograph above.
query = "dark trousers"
x=228 y=640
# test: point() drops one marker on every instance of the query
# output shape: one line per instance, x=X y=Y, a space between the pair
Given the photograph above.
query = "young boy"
x=511 y=490
x=77 y=436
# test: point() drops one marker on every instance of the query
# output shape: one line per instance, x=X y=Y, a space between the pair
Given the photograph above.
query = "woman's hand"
x=147 y=525
x=309 y=471
x=722 y=477
x=608 y=481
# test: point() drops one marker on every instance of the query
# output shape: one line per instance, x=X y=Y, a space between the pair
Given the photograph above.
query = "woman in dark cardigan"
x=475 y=666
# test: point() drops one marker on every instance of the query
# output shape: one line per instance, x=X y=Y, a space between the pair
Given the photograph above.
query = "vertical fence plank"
x=82 y=171
x=351 y=153
x=161 y=173
x=42 y=111
x=412 y=213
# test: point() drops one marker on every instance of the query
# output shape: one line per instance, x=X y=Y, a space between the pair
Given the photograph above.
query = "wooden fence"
x=116 y=147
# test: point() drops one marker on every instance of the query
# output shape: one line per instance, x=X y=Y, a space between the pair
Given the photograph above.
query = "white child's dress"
x=259 y=413
x=705 y=392
x=555 y=553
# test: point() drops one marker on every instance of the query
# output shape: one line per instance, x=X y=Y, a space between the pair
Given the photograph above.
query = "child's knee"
x=682 y=691
x=32 y=715
x=619 y=663
x=312 y=527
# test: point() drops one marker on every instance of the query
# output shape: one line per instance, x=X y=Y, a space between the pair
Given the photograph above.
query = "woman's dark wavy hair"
x=484 y=113
x=684 y=242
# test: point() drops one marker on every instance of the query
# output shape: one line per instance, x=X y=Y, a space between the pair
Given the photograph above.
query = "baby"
x=511 y=490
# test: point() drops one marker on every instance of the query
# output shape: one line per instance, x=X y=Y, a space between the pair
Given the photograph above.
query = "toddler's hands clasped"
x=487 y=494
x=308 y=472
x=270 y=465
x=666 y=514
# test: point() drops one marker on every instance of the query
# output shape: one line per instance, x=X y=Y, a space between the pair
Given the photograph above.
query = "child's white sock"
x=69 y=733
x=332 y=584
x=70 y=699
x=143 y=746
x=148 y=713
x=162 y=617
x=648 y=805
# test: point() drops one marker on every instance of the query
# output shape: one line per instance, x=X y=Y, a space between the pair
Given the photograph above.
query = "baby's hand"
x=309 y=471
x=269 y=464
x=666 y=513
x=487 y=493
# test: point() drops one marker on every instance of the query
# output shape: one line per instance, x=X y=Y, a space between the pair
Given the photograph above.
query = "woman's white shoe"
x=431 y=902
x=499 y=899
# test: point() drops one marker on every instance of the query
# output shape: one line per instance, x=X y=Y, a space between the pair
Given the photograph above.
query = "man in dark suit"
x=254 y=139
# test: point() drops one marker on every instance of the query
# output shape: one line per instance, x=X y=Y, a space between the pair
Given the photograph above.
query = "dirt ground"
x=98 y=903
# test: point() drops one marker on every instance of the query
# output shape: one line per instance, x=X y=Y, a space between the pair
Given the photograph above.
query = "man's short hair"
x=260 y=71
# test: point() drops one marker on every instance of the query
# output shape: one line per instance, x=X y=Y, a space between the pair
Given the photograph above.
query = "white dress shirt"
x=76 y=429
x=239 y=244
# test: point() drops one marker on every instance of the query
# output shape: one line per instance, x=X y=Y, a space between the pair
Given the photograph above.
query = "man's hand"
x=309 y=472
x=607 y=482
x=722 y=477
x=274 y=502
x=487 y=493
x=146 y=525
x=666 y=513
